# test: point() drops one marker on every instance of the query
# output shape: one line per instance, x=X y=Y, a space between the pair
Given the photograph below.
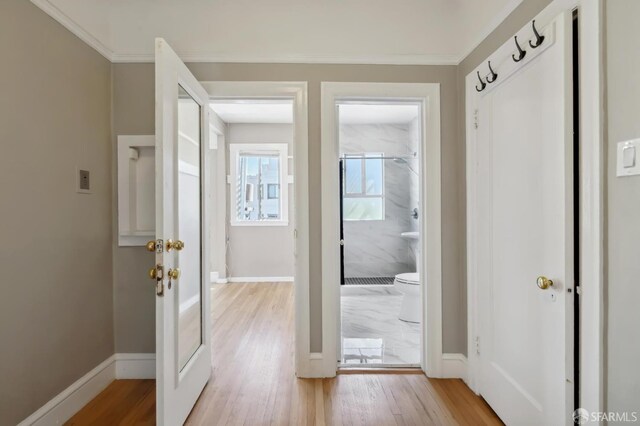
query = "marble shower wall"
x=414 y=185
x=375 y=248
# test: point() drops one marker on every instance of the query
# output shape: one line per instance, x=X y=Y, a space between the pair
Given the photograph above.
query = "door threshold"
x=380 y=370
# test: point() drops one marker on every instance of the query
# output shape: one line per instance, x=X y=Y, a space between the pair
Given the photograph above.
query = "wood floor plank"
x=253 y=379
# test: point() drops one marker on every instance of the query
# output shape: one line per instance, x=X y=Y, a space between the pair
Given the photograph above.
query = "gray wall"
x=262 y=251
x=623 y=209
x=374 y=248
x=134 y=114
x=56 y=307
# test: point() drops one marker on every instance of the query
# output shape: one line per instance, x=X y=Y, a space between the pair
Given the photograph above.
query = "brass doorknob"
x=544 y=283
x=174 y=273
x=151 y=246
x=153 y=273
x=175 y=245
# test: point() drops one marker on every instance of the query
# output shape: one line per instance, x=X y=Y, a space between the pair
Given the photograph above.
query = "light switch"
x=627 y=164
x=628 y=156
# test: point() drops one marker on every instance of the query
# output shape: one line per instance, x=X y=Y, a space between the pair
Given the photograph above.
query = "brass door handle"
x=174 y=273
x=151 y=246
x=153 y=273
x=544 y=283
x=174 y=245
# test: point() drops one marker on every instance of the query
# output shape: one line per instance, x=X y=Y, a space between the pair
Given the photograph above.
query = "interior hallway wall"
x=56 y=306
x=262 y=251
x=623 y=206
x=134 y=113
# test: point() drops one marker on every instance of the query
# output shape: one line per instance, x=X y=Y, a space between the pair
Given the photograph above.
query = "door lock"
x=157 y=273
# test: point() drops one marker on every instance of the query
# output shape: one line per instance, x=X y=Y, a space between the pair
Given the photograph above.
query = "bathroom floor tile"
x=371 y=330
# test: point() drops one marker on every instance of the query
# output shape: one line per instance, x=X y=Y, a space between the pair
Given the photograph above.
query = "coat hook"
x=493 y=76
x=521 y=52
x=539 y=38
x=482 y=84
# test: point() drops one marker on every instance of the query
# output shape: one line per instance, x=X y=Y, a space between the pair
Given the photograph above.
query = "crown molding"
x=84 y=35
x=385 y=59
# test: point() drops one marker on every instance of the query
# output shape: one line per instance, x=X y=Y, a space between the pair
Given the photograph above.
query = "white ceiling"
x=309 y=31
x=254 y=112
x=377 y=113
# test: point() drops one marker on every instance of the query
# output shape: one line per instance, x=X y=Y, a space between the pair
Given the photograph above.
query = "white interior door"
x=183 y=351
x=525 y=230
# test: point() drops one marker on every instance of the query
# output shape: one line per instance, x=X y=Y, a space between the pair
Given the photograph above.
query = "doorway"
x=353 y=197
x=380 y=307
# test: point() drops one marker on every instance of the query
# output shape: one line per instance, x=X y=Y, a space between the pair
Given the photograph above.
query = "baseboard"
x=68 y=402
x=259 y=279
x=135 y=366
x=314 y=368
x=454 y=366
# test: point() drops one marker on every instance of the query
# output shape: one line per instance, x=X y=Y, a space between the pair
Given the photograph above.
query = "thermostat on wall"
x=627 y=158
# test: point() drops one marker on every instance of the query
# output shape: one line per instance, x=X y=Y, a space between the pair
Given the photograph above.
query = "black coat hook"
x=539 y=38
x=482 y=84
x=493 y=77
x=521 y=52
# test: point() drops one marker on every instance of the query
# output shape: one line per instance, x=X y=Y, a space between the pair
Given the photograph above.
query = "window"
x=363 y=187
x=259 y=184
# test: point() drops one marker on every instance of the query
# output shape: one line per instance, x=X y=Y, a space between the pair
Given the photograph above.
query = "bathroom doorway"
x=365 y=199
x=379 y=186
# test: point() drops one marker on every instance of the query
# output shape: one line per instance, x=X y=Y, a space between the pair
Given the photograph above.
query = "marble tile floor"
x=371 y=331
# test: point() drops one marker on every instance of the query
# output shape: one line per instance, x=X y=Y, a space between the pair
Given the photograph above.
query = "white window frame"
x=363 y=156
x=282 y=150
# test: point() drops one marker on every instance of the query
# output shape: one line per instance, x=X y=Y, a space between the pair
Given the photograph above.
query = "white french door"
x=524 y=245
x=183 y=351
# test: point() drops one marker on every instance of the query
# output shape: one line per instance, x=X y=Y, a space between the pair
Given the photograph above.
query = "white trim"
x=428 y=95
x=591 y=198
x=298 y=92
x=592 y=171
x=259 y=279
x=68 y=402
x=135 y=366
x=53 y=11
x=454 y=366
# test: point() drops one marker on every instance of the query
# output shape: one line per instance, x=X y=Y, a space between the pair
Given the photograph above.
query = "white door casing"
x=183 y=350
x=523 y=223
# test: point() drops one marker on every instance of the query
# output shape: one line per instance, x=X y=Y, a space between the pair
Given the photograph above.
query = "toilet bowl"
x=409 y=285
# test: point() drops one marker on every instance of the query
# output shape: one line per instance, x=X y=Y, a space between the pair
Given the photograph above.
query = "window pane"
x=373 y=170
x=363 y=208
x=255 y=174
x=353 y=176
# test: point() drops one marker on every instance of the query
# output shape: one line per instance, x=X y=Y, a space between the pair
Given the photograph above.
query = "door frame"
x=297 y=92
x=428 y=95
x=591 y=193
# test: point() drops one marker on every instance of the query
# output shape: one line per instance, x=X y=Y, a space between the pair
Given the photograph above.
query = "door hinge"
x=476 y=120
x=579 y=290
x=342 y=242
x=477 y=342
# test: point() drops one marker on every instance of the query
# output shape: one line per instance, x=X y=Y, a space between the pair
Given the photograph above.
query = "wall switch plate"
x=83 y=180
x=627 y=162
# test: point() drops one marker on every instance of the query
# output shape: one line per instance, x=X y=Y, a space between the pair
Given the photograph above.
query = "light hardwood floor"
x=253 y=381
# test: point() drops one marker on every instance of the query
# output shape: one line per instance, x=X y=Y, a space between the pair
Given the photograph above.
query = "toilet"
x=409 y=285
